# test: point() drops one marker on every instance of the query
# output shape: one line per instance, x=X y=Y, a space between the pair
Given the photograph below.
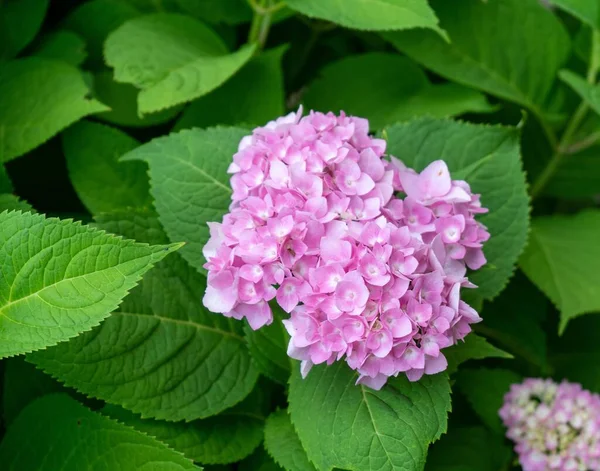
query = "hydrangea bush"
x=299 y=235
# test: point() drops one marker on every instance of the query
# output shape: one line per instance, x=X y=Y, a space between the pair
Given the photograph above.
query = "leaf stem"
x=261 y=21
x=562 y=148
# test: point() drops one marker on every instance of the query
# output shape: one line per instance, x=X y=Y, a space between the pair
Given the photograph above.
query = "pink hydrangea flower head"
x=366 y=255
x=554 y=426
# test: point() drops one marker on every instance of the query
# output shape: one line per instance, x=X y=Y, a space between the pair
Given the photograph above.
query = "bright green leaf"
x=93 y=151
x=56 y=432
x=373 y=15
x=485 y=390
x=474 y=347
x=39 y=98
x=387 y=88
x=253 y=96
x=225 y=438
x=189 y=182
x=60 y=278
x=23 y=383
x=562 y=260
x=162 y=354
x=487 y=157
x=469 y=449
x=349 y=426
x=587 y=11
x=13 y=203
x=518 y=50
x=172 y=58
x=283 y=444
x=94 y=20
x=63 y=46
x=122 y=100
x=268 y=347
x=20 y=21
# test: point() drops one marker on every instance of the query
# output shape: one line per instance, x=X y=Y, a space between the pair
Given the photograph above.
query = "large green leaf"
x=387 y=88
x=374 y=15
x=253 y=96
x=587 y=11
x=487 y=157
x=56 y=432
x=122 y=100
x=509 y=48
x=283 y=444
x=162 y=354
x=94 y=20
x=474 y=347
x=172 y=58
x=39 y=98
x=189 y=182
x=268 y=347
x=353 y=427
x=93 y=151
x=485 y=390
x=60 y=278
x=469 y=449
x=20 y=20
x=562 y=259
x=225 y=438
x=64 y=46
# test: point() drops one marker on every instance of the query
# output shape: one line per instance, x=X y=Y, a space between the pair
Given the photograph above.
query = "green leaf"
x=562 y=260
x=56 y=432
x=585 y=10
x=283 y=444
x=23 y=383
x=63 y=46
x=576 y=175
x=39 y=98
x=517 y=326
x=231 y=12
x=268 y=347
x=253 y=96
x=60 y=278
x=487 y=157
x=6 y=185
x=189 y=182
x=473 y=348
x=469 y=449
x=13 y=203
x=387 y=88
x=372 y=15
x=353 y=427
x=93 y=151
x=162 y=354
x=20 y=21
x=259 y=461
x=94 y=20
x=226 y=438
x=519 y=48
x=122 y=100
x=588 y=92
x=485 y=390
x=172 y=58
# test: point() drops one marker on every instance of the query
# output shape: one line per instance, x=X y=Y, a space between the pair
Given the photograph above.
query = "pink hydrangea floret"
x=366 y=255
x=554 y=426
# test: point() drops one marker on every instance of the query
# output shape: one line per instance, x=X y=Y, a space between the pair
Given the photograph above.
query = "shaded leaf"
x=387 y=88
x=584 y=10
x=92 y=152
x=39 y=98
x=20 y=21
x=80 y=438
x=474 y=347
x=487 y=157
x=283 y=444
x=64 y=46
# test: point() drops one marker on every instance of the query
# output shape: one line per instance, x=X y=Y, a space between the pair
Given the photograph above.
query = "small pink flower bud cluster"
x=554 y=426
x=366 y=275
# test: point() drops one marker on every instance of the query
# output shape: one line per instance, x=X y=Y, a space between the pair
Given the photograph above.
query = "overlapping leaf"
x=283 y=444
x=60 y=278
x=20 y=20
x=162 y=354
x=474 y=347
